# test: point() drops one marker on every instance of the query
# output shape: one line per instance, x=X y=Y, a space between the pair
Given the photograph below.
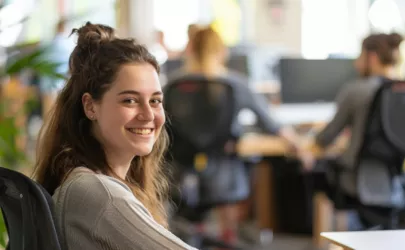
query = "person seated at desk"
x=100 y=152
x=207 y=57
x=378 y=58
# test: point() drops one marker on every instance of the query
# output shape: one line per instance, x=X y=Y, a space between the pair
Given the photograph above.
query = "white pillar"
x=248 y=9
x=135 y=19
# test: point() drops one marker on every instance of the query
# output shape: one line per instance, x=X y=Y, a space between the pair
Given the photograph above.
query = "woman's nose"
x=145 y=113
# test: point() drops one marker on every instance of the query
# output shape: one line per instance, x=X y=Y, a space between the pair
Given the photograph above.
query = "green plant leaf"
x=3 y=231
x=35 y=61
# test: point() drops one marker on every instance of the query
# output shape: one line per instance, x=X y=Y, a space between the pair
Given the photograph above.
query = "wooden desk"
x=263 y=145
x=367 y=240
x=268 y=145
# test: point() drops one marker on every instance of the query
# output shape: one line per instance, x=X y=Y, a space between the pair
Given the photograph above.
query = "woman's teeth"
x=141 y=131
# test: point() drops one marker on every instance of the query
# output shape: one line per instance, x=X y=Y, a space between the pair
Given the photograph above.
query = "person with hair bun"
x=378 y=59
x=379 y=55
x=100 y=153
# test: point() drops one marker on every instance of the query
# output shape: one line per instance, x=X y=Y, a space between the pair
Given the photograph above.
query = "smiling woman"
x=101 y=150
x=130 y=117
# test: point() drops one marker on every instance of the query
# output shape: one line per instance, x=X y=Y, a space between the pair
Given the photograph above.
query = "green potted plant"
x=11 y=154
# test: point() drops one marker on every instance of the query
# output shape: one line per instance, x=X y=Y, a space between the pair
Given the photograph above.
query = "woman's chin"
x=143 y=151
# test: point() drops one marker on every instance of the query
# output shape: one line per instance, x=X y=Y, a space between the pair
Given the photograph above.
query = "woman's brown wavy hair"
x=66 y=141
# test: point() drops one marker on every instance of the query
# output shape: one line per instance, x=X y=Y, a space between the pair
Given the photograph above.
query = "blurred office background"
x=296 y=54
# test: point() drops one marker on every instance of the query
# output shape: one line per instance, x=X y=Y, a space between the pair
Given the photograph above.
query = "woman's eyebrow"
x=133 y=92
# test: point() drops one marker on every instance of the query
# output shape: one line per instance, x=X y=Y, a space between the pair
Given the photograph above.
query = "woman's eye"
x=156 y=101
x=130 y=101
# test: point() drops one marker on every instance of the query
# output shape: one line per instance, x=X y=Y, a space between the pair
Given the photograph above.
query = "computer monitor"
x=309 y=81
x=239 y=62
x=236 y=62
x=172 y=65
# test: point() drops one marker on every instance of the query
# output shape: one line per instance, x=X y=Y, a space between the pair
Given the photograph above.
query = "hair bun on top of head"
x=93 y=35
x=394 y=40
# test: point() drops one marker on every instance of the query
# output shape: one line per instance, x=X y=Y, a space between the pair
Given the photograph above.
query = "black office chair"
x=27 y=210
x=379 y=169
x=201 y=113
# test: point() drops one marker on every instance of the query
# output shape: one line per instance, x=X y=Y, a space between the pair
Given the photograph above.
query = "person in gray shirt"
x=378 y=58
x=206 y=58
x=100 y=152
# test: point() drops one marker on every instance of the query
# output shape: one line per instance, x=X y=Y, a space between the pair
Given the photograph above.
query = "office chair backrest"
x=379 y=168
x=201 y=112
x=393 y=117
x=27 y=210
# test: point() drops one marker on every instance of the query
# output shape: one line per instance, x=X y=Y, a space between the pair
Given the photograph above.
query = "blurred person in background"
x=57 y=51
x=191 y=31
x=378 y=59
x=207 y=57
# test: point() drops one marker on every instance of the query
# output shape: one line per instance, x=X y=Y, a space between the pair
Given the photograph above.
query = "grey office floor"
x=278 y=241
x=287 y=242
x=249 y=234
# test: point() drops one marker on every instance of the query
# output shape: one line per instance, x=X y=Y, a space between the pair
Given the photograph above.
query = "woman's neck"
x=118 y=160
x=119 y=163
x=388 y=72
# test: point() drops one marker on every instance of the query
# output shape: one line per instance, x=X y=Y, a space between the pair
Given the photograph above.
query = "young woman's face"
x=130 y=115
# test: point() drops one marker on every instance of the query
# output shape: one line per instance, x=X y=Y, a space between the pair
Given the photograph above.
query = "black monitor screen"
x=239 y=63
x=304 y=81
x=236 y=62
x=171 y=66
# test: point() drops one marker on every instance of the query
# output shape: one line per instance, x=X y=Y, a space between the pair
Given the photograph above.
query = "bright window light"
x=10 y=17
x=384 y=15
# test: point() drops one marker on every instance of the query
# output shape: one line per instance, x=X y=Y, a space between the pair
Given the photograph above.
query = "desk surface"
x=368 y=240
x=299 y=113
x=269 y=145
x=261 y=145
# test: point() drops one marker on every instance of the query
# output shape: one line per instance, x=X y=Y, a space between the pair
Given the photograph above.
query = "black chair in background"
x=379 y=170
x=201 y=113
x=27 y=210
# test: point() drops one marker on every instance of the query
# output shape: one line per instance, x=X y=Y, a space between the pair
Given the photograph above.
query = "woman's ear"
x=373 y=58
x=88 y=106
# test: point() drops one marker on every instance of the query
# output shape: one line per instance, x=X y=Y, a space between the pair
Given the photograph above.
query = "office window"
x=325 y=28
x=385 y=16
x=95 y=11
x=173 y=17
x=12 y=16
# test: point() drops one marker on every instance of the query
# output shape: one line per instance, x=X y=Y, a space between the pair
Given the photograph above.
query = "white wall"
x=285 y=34
x=324 y=31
